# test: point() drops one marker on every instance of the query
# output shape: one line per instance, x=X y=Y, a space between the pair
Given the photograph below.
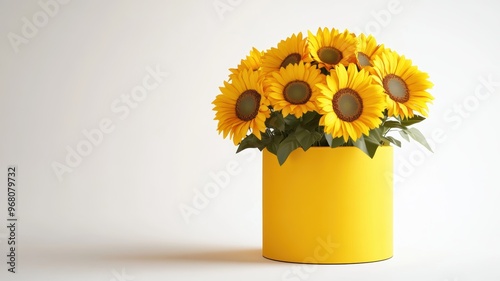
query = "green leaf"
x=334 y=142
x=413 y=120
x=309 y=116
x=419 y=137
x=291 y=121
x=310 y=120
x=374 y=135
x=276 y=121
x=306 y=138
x=274 y=144
x=250 y=141
x=392 y=140
x=368 y=147
x=286 y=147
x=405 y=135
x=394 y=124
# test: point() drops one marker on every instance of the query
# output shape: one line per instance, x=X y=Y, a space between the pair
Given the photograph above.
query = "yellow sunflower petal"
x=293 y=50
x=330 y=47
x=350 y=111
x=405 y=86
x=241 y=108
x=294 y=89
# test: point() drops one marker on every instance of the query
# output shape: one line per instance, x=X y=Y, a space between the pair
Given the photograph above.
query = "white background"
x=116 y=215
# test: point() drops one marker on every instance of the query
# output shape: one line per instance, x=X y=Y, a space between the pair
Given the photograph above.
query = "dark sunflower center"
x=291 y=59
x=297 y=92
x=347 y=104
x=247 y=105
x=363 y=60
x=330 y=55
x=396 y=88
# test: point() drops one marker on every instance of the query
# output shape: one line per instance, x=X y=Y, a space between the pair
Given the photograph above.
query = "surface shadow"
x=244 y=255
x=230 y=255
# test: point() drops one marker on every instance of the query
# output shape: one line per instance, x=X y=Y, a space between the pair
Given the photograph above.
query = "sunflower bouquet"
x=331 y=89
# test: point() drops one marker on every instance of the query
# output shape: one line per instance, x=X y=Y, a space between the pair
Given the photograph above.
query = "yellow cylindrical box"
x=328 y=206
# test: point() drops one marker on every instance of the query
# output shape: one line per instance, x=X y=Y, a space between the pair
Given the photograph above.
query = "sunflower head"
x=253 y=61
x=367 y=49
x=242 y=106
x=293 y=89
x=404 y=85
x=330 y=88
x=293 y=50
x=351 y=104
x=330 y=47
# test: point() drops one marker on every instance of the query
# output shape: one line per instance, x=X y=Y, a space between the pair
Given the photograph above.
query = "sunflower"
x=290 y=51
x=367 y=50
x=330 y=48
x=351 y=104
x=253 y=61
x=293 y=89
x=241 y=106
x=405 y=86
